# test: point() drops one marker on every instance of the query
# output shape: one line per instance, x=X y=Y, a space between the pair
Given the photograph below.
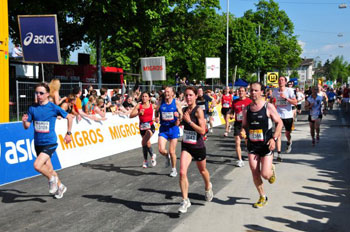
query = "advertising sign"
x=39 y=37
x=153 y=68
x=272 y=79
x=212 y=67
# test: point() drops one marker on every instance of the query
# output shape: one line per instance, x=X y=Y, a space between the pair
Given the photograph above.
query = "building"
x=305 y=72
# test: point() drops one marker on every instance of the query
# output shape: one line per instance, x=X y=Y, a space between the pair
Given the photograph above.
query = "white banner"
x=153 y=69
x=212 y=67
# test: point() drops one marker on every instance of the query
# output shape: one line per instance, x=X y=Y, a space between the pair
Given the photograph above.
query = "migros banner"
x=91 y=140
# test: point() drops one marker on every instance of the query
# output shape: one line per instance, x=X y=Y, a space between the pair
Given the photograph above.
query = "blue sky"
x=317 y=24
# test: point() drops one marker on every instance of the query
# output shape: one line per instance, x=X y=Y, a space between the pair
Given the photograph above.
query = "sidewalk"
x=311 y=192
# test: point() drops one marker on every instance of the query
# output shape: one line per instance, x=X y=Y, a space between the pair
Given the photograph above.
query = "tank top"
x=260 y=126
x=191 y=137
x=201 y=103
x=167 y=117
x=146 y=120
x=226 y=101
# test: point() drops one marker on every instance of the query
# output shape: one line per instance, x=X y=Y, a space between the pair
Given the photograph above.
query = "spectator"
x=128 y=104
x=100 y=108
x=78 y=106
x=55 y=86
x=68 y=105
x=89 y=91
x=105 y=97
x=17 y=51
x=117 y=107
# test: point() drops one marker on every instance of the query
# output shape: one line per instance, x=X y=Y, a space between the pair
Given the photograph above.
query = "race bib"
x=281 y=102
x=190 y=137
x=256 y=135
x=145 y=126
x=202 y=107
x=314 y=117
x=42 y=126
x=226 y=105
x=240 y=116
x=168 y=116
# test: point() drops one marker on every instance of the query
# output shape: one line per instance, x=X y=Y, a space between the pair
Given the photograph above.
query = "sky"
x=317 y=23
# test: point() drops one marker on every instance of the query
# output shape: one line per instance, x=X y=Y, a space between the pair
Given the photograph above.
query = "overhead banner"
x=39 y=37
x=153 y=68
x=212 y=67
x=272 y=79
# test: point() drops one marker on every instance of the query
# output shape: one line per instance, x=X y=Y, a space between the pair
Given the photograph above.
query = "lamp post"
x=227 y=45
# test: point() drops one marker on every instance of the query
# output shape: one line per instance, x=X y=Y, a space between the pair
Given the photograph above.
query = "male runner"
x=43 y=114
x=257 y=119
x=238 y=131
x=314 y=104
x=285 y=98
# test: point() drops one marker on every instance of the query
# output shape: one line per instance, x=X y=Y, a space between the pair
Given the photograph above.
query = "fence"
x=23 y=97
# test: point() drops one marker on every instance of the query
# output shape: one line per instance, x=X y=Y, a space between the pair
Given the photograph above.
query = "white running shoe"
x=167 y=161
x=184 y=205
x=211 y=130
x=153 y=160
x=229 y=129
x=173 y=172
x=145 y=164
x=289 y=147
x=53 y=185
x=226 y=134
x=61 y=190
x=209 y=194
x=240 y=163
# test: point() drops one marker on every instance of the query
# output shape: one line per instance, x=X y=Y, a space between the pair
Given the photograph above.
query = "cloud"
x=302 y=44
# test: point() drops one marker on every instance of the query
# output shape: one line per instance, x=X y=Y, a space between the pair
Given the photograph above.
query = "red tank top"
x=147 y=114
x=226 y=101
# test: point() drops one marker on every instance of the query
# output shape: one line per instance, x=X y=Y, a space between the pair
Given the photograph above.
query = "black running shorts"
x=198 y=154
x=47 y=149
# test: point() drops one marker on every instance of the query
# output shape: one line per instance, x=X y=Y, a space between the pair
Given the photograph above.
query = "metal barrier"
x=24 y=95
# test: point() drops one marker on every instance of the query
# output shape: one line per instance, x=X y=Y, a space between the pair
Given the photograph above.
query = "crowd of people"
x=259 y=115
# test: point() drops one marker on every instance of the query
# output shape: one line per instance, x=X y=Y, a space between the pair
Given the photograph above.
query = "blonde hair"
x=54 y=86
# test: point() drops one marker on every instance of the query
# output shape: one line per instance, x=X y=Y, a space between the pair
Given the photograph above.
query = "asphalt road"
x=116 y=194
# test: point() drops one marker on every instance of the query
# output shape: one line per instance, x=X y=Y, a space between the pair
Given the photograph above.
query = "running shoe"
x=313 y=142
x=184 y=205
x=53 y=185
x=209 y=193
x=167 y=161
x=173 y=172
x=153 y=160
x=229 y=129
x=317 y=139
x=273 y=177
x=61 y=190
x=261 y=202
x=211 y=130
x=289 y=147
x=279 y=158
x=145 y=164
x=226 y=134
x=240 y=163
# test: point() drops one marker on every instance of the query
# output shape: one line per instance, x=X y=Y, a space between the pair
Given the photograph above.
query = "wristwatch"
x=275 y=139
x=69 y=133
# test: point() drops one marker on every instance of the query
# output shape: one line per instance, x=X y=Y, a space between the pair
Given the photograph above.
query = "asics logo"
x=38 y=39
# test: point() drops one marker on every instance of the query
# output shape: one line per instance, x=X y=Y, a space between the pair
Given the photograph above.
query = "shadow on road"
x=14 y=196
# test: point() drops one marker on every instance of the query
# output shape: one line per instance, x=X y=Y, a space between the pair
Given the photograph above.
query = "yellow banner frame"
x=4 y=63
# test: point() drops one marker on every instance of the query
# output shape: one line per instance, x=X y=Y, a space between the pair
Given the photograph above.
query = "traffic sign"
x=272 y=79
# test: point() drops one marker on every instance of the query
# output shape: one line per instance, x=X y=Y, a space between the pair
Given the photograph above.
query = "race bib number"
x=281 y=102
x=145 y=126
x=167 y=116
x=226 y=105
x=42 y=126
x=202 y=107
x=190 y=137
x=240 y=116
x=256 y=135
x=314 y=117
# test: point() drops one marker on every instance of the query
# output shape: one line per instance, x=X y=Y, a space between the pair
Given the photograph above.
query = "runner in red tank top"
x=145 y=112
x=226 y=103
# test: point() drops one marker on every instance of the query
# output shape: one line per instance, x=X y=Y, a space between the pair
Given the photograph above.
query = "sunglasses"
x=39 y=93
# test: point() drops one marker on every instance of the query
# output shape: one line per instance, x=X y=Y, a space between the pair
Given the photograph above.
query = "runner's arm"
x=26 y=124
x=272 y=112
x=201 y=127
x=179 y=109
x=135 y=111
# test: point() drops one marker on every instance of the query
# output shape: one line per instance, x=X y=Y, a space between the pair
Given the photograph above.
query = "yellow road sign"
x=272 y=78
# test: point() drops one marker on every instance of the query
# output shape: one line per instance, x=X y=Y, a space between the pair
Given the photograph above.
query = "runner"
x=211 y=106
x=226 y=103
x=145 y=112
x=331 y=97
x=170 y=116
x=257 y=119
x=43 y=114
x=193 y=147
x=238 y=131
x=300 y=98
x=294 y=108
x=203 y=102
x=314 y=104
x=285 y=98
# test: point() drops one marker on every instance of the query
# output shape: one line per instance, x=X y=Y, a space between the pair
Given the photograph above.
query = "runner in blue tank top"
x=44 y=115
x=169 y=112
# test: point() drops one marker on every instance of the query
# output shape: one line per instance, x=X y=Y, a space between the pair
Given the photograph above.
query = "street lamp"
x=342 y=6
x=227 y=49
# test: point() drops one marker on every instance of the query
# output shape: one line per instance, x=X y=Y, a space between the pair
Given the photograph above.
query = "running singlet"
x=238 y=106
x=226 y=101
x=260 y=126
x=167 y=117
x=44 y=118
x=190 y=136
x=315 y=111
x=284 y=108
x=146 y=120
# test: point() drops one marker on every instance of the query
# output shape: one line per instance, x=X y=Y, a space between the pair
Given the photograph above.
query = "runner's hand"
x=176 y=114
x=25 y=117
x=67 y=139
x=272 y=144
x=186 y=117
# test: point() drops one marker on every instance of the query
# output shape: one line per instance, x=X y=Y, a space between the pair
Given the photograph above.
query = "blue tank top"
x=167 y=117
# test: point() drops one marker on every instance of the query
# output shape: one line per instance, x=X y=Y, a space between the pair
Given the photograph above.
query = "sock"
x=52 y=179
x=145 y=150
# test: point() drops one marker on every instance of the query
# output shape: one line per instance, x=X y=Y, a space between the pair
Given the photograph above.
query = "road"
x=311 y=192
